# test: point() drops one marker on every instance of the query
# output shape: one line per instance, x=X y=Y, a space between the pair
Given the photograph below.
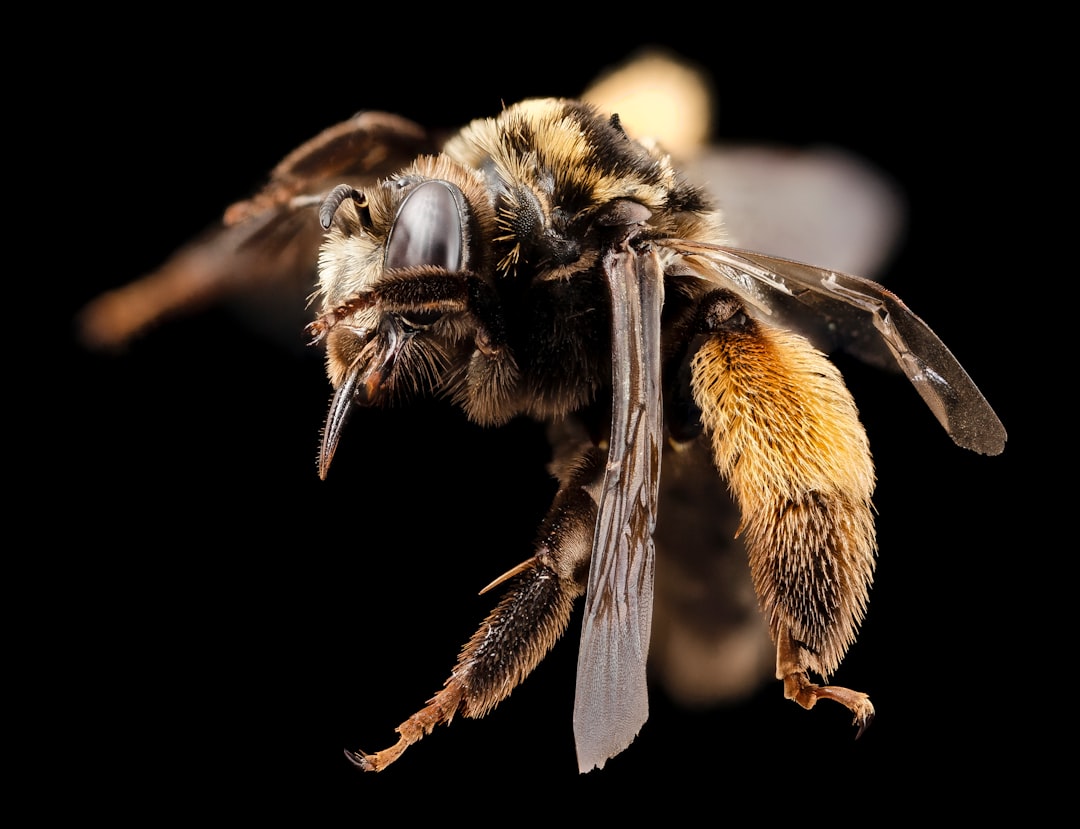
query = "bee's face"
x=419 y=223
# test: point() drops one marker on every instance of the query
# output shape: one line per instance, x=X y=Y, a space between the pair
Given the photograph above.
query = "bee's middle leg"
x=526 y=623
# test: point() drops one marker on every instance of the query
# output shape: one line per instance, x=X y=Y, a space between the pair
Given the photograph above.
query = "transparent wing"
x=867 y=319
x=816 y=204
x=612 y=701
x=812 y=204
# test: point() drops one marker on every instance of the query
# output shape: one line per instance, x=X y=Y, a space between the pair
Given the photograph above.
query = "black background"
x=231 y=623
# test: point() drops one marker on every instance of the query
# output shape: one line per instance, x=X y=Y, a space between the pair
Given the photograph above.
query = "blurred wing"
x=612 y=701
x=817 y=204
x=820 y=204
x=862 y=313
x=264 y=248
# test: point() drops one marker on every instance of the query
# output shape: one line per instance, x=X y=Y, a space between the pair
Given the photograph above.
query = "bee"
x=546 y=263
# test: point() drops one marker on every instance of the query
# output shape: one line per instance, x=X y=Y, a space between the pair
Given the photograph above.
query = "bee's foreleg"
x=526 y=623
x=786 y=435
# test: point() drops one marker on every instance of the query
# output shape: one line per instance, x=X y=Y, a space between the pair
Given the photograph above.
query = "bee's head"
x=394 y=283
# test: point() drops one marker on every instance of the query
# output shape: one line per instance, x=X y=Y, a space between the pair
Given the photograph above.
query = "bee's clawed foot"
x=360 y=760
x=864 y=720
x=799 y=689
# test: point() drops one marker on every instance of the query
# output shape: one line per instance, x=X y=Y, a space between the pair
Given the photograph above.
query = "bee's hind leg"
x=786 y=436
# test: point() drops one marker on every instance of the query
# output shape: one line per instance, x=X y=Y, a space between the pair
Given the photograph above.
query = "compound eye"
x=429 y=229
